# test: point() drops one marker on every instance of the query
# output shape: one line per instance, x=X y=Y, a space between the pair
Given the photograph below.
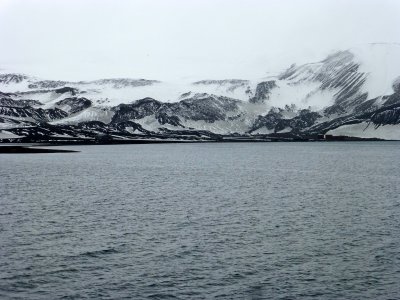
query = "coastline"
x=27 y=147
x=16 y=149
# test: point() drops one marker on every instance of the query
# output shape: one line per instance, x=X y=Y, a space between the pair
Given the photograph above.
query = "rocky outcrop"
x=263 y=91
x=12 y=78
x=276 y=121
x=73 y=105
x=136 y=110
x=202 y=107
x=341 y=82
x=163 y=118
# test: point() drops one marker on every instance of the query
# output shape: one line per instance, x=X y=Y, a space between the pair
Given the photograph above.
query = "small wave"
x=38 y=274
x=162 y=296
x=54 y=233
x=97 y=253
x=6 y=214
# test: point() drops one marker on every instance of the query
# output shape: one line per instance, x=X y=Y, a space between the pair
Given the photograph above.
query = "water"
x=202 y=221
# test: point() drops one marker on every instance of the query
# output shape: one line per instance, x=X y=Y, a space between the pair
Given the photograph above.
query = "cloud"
x=175 y=39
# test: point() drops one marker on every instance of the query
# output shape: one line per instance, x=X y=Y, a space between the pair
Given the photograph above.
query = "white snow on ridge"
x=381 y=63
x=105 y=94
x=4 y=134
x=163 y=91
x=263 y=130
x=90 y=114
x=303 y=95
x=240 y=122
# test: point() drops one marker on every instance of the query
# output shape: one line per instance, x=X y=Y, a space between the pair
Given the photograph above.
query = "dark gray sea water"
x=202 y=221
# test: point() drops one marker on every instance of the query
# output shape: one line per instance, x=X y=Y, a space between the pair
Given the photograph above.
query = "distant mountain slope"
x=355 y=92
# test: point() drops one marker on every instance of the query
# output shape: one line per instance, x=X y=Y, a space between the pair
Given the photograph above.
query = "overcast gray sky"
x=184 y=39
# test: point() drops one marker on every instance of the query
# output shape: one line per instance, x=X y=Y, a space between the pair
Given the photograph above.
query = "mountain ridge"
x=317 y=98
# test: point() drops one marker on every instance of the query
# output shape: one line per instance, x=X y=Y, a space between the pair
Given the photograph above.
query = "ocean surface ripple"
x=202 y=221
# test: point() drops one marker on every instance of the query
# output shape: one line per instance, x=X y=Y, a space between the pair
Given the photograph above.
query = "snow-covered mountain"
x=355 y=92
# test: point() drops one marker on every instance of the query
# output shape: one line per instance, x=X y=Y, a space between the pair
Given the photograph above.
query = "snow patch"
x=365 y=130
x=4 y=134
x=90 y=114
x=303 y=95
x=381 y=63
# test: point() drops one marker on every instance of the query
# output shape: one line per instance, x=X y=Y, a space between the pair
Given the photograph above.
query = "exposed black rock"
x=262 y=91
x=93 y=125
x=392 y=99
x=222 y=82
x=128 y=126
x=194 y=133
x=12 y=78
x=230 y=84
x=121 y=82
x=66 y=89
x=305 y=119
x=269 y=121
x=136 y=110
x=185 y=95
x=276 y=121
x=289 y=72
x=53 y=114
x=6 y=95
x=339 y=72
x=204 y=107
x=47 y=84
x=25 y=150
x=37 y=114
x=386 y=115
x=73 y=105
x=163 y=118
x=18 y=103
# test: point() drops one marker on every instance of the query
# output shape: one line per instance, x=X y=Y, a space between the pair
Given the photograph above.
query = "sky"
x=184 y=39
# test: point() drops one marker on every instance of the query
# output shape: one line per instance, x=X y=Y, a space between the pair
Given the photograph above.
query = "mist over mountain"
x=353 y=92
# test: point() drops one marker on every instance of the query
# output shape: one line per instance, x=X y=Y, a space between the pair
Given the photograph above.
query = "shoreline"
x=29 y=147
x=28 y=150
x=225 y=139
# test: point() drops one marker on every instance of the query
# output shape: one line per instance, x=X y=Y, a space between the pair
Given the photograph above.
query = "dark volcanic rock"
x=74 y=104
x=127 y=125
x=208 y=108
x=37 y=114
x=12 y=78
x=93 y=125
x=121 y=82
x=66 y=89
x=269 y=121
x=47 y=84
x=393 y=99
x=275 y=121
x=163 y=118
x=387 y=115
x=54 y=114
x=262 y=91
x=136 y=110
x=305 y=119
x=230 y=84
x=204 y=107
x=18 y=103
x=19 y=149
x=338 y=71
x=6 y=95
